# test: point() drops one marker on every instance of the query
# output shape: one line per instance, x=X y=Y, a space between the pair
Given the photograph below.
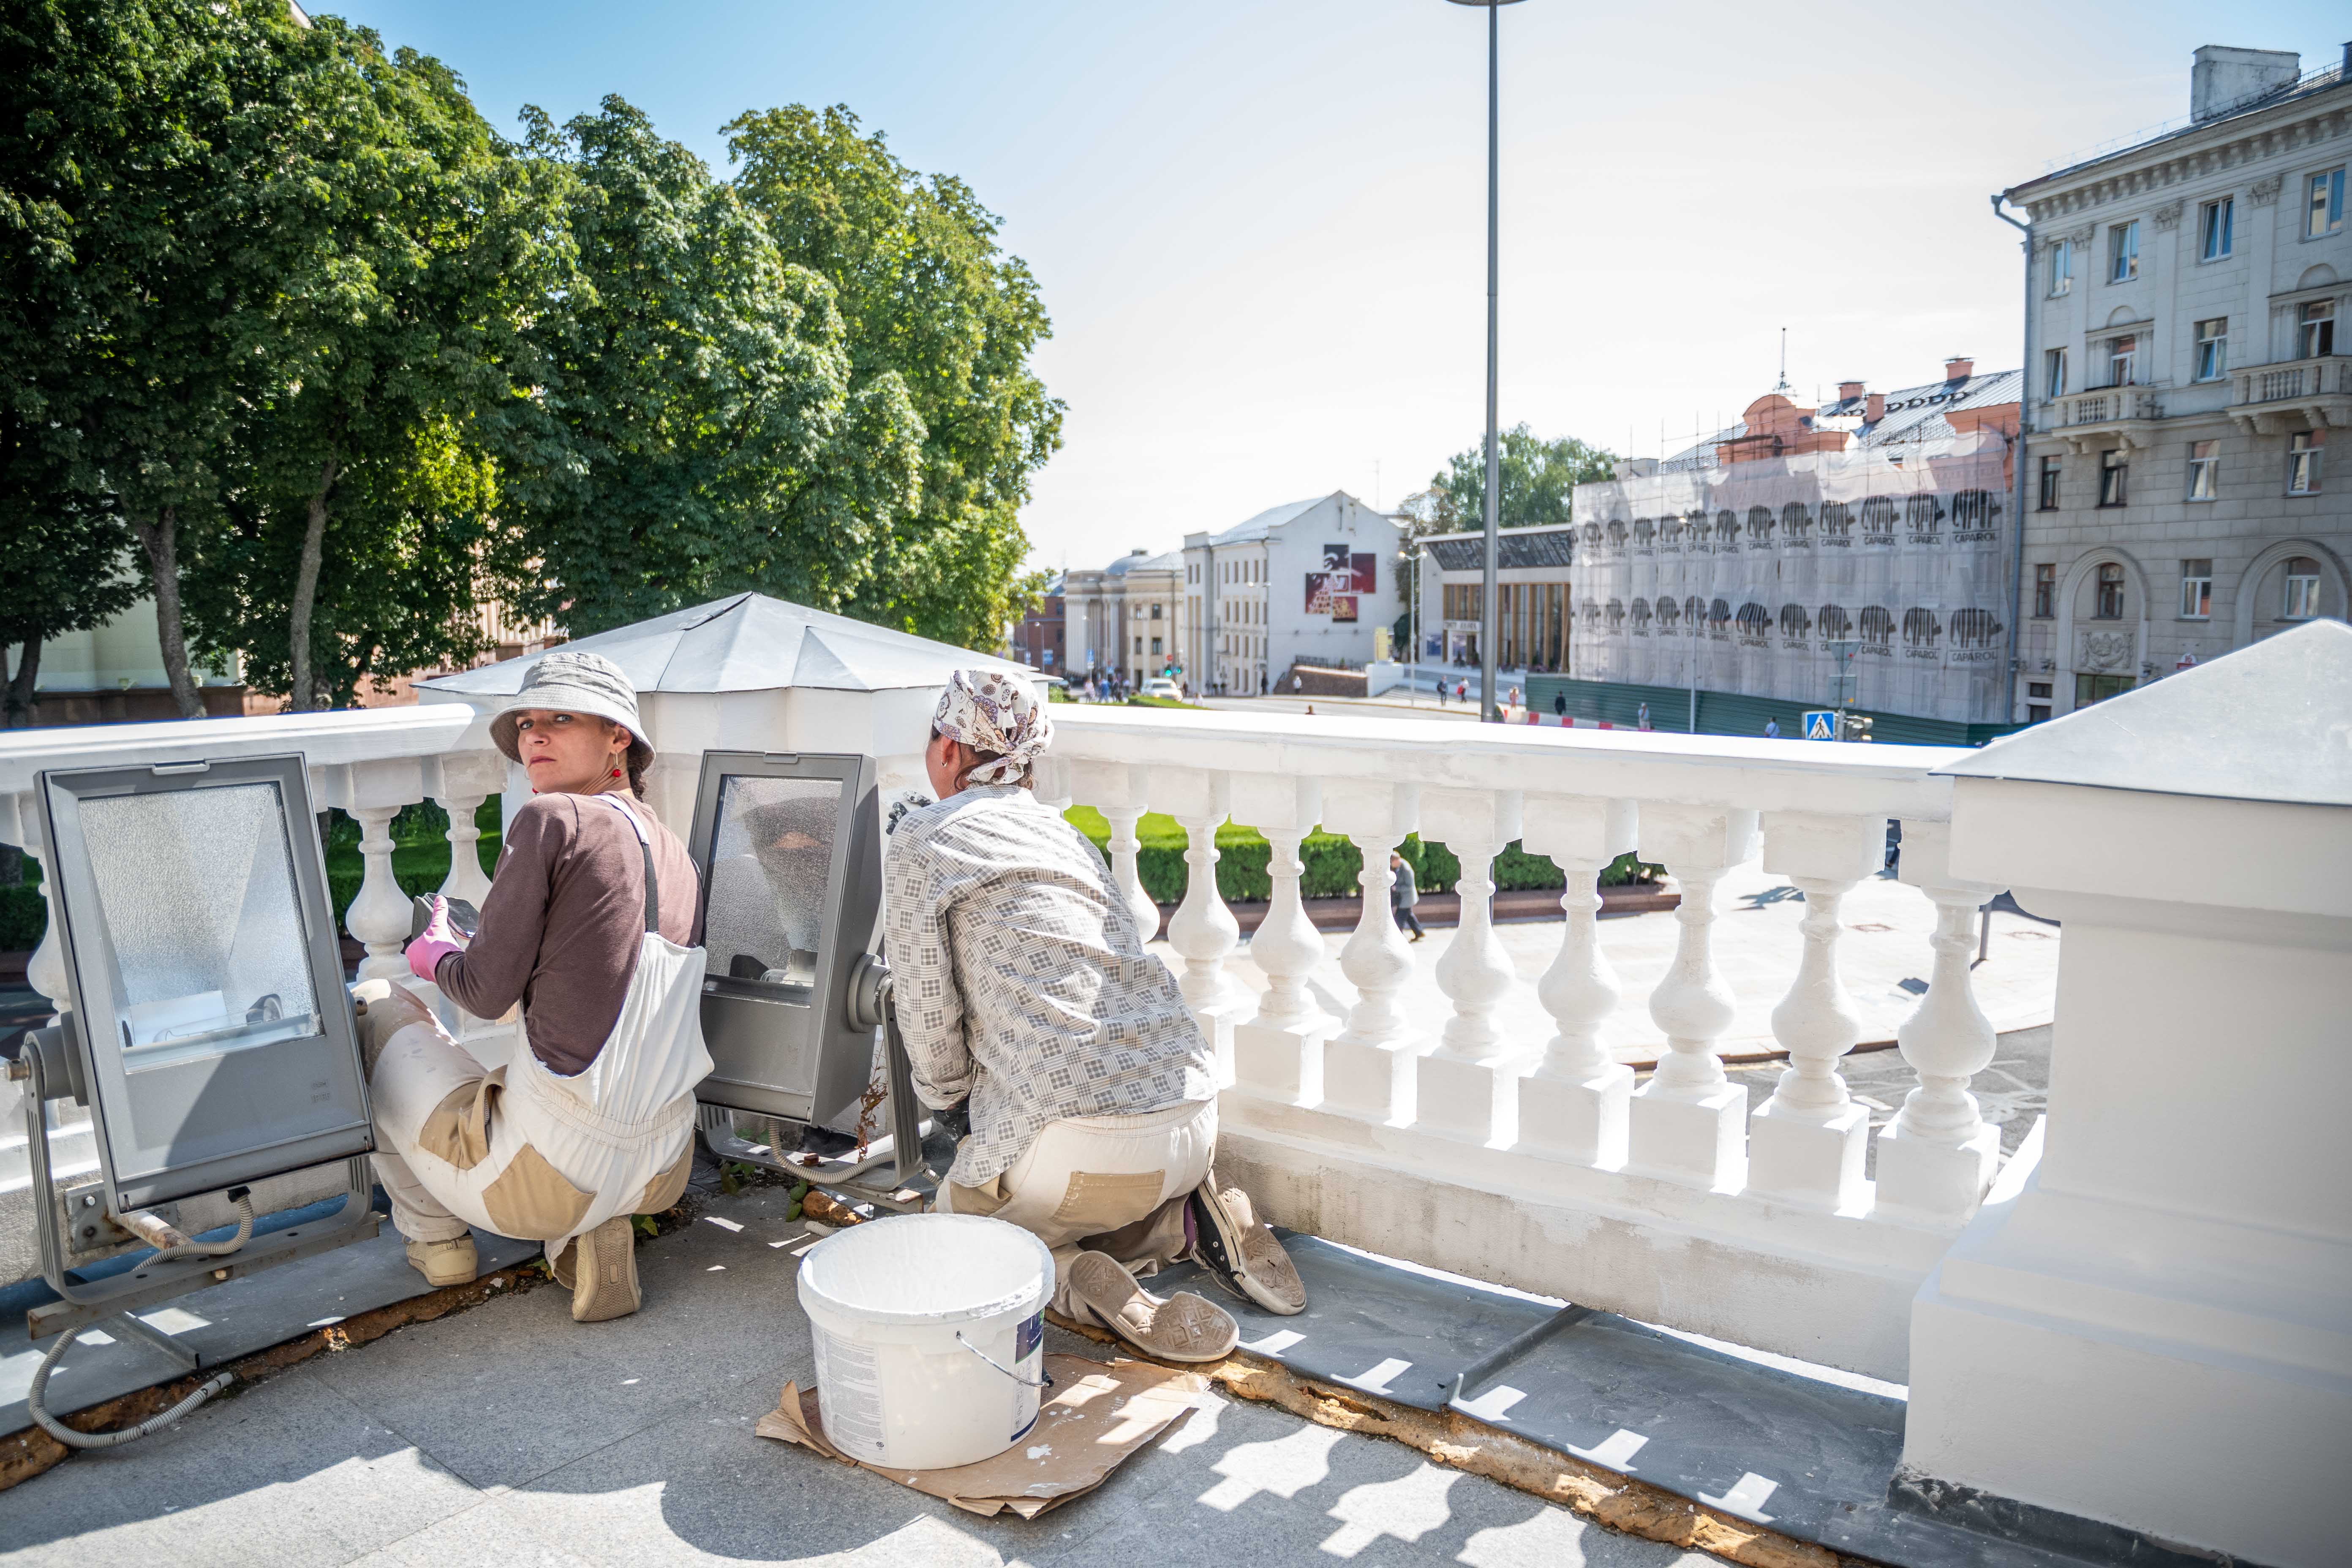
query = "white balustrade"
x=1279 y=1052
x=1937 y=1155
x=1688 y=1121
x=1469 y=1086
x=1573 y=1106
x=1122 y=795
x=374 y=793
x=1202 y=931
x=1808 y=1143
x=459 y=785
x=1369 y=1068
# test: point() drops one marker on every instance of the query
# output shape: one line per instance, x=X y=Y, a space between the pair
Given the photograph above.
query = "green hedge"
x=1331 y=862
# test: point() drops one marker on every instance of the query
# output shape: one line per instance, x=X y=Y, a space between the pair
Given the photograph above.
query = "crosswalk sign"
x=1820 y=724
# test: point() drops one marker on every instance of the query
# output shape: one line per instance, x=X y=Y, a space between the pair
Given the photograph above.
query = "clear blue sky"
x=1259 y=227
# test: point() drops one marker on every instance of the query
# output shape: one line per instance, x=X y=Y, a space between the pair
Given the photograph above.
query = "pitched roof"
x=1269 y=520
x=750 y=643
x=1912 y=413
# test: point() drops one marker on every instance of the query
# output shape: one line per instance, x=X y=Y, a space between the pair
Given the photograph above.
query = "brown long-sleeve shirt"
x=558 y=930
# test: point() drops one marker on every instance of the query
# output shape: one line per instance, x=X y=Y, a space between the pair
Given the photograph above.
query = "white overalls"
x=526 y=1152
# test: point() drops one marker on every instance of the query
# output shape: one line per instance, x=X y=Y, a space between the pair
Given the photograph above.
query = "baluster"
x=1573 y=1105
x=1202 y=930
x=1367 y=1068
x=459 y=784
x=1118 y=791
x=1279 y=1052
x=1468 y=1085
x=1808 y=1143
x=373 y=793
x=1937 y=1155
x=1687 y=1121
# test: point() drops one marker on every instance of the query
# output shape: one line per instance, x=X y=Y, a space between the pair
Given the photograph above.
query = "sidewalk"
x=509 y=1434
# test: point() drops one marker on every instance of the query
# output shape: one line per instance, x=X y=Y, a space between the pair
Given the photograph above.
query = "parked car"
x=1160 y=686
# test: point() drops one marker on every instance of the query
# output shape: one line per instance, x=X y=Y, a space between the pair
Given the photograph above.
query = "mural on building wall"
x=1743 y=576
x=1336 y=590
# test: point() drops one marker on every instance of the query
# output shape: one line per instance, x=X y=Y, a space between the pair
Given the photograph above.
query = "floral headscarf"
x=994 y=712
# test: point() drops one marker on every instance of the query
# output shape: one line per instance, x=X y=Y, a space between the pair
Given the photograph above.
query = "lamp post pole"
x=1489 y=615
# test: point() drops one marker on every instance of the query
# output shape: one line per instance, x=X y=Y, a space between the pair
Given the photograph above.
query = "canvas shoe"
x=445 y=1263
x=1181 y=1326
x=1234 y=1244
x=601 y=1267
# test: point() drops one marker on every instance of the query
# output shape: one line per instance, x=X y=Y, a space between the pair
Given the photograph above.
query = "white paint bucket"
x=929 y=1335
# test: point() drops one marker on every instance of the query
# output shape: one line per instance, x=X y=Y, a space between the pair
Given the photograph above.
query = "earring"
x=617 y=773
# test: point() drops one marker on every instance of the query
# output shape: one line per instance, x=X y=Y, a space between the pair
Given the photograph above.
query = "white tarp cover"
x=1743 y=575
x=751 y=643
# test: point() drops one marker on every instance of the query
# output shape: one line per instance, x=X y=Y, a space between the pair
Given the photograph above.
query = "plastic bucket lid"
x=928 y=1268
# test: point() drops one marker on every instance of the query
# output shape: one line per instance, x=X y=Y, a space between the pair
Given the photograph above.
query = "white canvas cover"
x=1741 y=577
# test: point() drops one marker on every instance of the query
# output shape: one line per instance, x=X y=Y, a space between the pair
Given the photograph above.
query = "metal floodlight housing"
x=211 y=1037
x=788 y=846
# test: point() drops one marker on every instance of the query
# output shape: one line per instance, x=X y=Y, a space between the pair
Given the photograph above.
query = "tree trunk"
x=306 y=591
x=161 y=539
x=20 y=686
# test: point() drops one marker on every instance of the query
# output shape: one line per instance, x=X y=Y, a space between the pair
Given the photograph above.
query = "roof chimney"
x=1958 y=369
x=2225 y=79
x=1848 y=391
x=1875 y=409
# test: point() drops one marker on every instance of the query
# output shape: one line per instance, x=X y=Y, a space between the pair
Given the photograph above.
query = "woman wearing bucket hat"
x=1023 y=982
x=590 y=924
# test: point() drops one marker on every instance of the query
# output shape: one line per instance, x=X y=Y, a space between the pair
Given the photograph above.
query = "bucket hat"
x=573 y=680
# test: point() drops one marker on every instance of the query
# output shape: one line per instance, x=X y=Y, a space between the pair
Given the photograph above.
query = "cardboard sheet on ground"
x=1097 y=1414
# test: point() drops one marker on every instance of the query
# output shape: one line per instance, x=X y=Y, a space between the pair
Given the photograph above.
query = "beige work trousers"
x=1102 y=1183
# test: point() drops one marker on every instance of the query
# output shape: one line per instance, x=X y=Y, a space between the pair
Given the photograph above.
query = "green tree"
x=387 y=347
x=67 y=569
x=693 y=429
x=1539 y=477
x=927 y=297
x=140 y=253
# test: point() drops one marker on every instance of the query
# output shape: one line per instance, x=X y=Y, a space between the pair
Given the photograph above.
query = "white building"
x=1313 y=582
x=2187 y=372
x=1124 y=616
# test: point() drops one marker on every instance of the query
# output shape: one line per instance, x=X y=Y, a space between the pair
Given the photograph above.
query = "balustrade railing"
x=1477 y=1105
x=2325 y=377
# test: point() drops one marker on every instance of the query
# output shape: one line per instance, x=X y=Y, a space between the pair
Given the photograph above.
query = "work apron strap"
x=645 y=848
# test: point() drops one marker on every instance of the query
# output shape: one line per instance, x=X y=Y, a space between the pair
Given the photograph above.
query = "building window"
x=1139 y=645
x=2196 y=590
x=1156 y=647
x=2123 y=359
x=2204 y=469
x=2053 y=373
x=2037 y=689
x=2212 y=348
x=1155 y=612
x=2304 y=453
x=2090 y=688
x=2049 y=471
x=2213 y=230
x=2325 y=213
x=2314 y=330
x=2302 y=590
x=2114 y=476
x=2110 y=606
x=2045 y=591
x=2123 y=252
x=2037 y=712
x=2061 y=268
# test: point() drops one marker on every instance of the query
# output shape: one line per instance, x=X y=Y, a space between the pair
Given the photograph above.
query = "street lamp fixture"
x=1489 y=615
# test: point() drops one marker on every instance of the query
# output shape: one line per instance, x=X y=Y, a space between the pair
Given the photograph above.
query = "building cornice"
x=2137 y=172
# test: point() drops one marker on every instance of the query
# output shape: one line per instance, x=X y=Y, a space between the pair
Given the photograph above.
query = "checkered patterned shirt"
x=1022 y=981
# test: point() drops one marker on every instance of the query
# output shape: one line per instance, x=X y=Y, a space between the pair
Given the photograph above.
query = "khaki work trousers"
x=1102 y=1183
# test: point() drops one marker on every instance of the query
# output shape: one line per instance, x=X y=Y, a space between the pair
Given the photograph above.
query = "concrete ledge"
x=1834 y=1289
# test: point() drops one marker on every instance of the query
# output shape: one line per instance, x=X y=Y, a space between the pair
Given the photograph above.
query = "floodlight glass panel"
x=197 y=892
x=771 y=869
x=206 y=980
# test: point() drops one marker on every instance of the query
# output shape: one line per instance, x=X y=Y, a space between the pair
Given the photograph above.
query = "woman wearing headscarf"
x=590 y=924
x=1022 y=983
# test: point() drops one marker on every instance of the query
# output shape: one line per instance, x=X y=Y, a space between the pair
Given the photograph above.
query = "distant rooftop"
x=1911 y=414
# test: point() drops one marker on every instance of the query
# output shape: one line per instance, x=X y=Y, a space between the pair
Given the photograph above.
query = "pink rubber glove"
x=436 y=943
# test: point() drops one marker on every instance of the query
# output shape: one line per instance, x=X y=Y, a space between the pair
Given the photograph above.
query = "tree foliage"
x=925 y=295
x=1539 y=477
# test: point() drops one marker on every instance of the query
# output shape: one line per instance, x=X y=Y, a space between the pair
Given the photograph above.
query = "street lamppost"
x=1489 y=619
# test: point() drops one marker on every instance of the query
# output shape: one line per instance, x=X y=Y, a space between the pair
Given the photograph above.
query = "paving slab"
x=222 y=1323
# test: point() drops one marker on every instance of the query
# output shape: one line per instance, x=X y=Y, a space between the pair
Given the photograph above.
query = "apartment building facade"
x=1123 y=617
x=1311 y=581
x=2188 y=467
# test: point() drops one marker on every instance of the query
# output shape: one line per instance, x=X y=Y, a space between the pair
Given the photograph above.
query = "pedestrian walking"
x=1772 y=729
x=1559 y=705
x=1643 y=718
x=1403 y=894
